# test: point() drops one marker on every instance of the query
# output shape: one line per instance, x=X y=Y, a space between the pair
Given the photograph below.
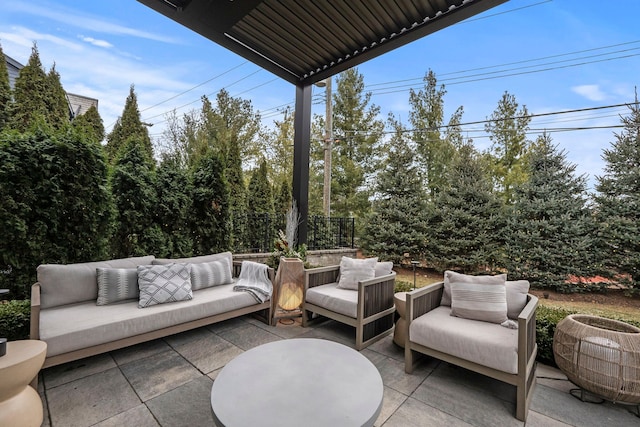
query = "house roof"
x=304 y=41
x=79 y=104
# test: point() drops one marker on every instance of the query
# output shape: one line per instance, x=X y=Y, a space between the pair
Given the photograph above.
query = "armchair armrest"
x=527 y=346
x=376 y=295
x=423 y=300
x=34 y=331
x=320 y=276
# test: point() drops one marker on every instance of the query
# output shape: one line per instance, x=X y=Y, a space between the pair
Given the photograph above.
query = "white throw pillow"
x=452 y=276
x=479 y=301
x=164 y=283
x=354 y=270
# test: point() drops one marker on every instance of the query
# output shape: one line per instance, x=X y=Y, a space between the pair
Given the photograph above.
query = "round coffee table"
x=310 y=382
x=18 y=400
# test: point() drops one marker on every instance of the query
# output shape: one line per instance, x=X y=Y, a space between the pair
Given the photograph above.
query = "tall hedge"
x=56 y=207
x=210 y=219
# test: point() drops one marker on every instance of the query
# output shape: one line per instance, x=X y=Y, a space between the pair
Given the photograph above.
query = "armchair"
x=369 y=309
x=504 y=354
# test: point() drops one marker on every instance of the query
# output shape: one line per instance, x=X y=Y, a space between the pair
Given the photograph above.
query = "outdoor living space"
x=168 y=382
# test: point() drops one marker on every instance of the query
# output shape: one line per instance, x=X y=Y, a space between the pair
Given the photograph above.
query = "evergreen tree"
x=237 y=195
x=30 y=94
x=129 y=126
x=173 y=186
x=56 y=207
x=57 y=105
x=260 y=228
x=549 y=231
x=210 y=221
x=283 y=197
x=427 y=118
x=279 y=150
x=6 y=96
x=507 y=130
x=90 y=125
x=465 y=219
x=397 y=223
x=136 y=201
x=358 y=130
x=260 y=195
x=618 y=201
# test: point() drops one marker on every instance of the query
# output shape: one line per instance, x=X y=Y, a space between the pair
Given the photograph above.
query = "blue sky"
x=553 y=55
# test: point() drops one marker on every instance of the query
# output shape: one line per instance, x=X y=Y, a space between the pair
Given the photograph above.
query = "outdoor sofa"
x=78 y=318
x=497 y=351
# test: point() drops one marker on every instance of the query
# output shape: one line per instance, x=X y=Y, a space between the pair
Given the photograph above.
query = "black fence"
x=322 y=233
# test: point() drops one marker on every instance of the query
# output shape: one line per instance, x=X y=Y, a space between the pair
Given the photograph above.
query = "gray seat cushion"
x=487 y=344
x=329 y=296
x=76 y=326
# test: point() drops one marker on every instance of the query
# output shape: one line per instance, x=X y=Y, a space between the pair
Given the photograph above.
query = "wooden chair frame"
x=423 y=300
x=375 y=311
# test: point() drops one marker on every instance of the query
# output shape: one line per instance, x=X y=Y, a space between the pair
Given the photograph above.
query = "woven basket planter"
x=601 y=356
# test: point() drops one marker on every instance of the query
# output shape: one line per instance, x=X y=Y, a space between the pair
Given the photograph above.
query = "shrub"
x=15 y=319
x=402 y=286
x=547 y=318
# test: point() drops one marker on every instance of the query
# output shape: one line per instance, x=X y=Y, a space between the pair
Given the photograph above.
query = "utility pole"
x=328 y=140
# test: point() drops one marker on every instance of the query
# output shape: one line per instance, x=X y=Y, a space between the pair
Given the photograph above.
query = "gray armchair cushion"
x=452 y=276
x=333 y=298
x=484 y=343
x=487 y=303
x=353 y=271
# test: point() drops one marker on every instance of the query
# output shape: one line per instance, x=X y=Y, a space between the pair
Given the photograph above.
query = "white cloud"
x=591 y=92
x=96 y=42
x=85 y=21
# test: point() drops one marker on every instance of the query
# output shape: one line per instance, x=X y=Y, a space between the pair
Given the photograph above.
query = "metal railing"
x=322 y=233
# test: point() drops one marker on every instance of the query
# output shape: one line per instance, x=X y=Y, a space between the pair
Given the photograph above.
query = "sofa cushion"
x=62 y=284
x=76 y=326
x=517 y=291
x=354 y=270
x=214 y=273
x=331 y=297
x=487 y=303
x=452 y=276
x=487 y=344
x=160 y=284
x=116 y=284
x=195 y=259
x=383 y=268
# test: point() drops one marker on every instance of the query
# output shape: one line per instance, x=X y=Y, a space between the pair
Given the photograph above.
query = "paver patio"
x=167 y=382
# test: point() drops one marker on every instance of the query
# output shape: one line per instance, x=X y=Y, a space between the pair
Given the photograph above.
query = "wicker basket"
x=601 y=356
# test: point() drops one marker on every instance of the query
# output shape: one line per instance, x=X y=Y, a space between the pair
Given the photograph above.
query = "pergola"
x=305 y=41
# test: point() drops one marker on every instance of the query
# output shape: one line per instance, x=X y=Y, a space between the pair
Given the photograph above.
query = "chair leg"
x=408 y=358
x=359 y=337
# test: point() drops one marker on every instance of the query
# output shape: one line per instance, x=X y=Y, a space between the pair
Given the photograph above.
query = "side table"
x=18 y=400
x=400 y=331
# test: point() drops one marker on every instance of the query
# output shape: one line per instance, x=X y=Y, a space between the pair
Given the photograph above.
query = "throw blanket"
x=254 y=278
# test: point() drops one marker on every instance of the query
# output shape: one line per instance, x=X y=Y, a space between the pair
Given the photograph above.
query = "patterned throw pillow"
x=353 y=271
x=479 y=301
x=116 y=284
x=207 y=274
x=164 y=283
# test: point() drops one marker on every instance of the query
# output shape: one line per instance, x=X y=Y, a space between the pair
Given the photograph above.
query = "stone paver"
x=204 y=349
x=188 y=405
x=155 y=375
x=62 y=374
x=140 y=416
x=91 y=399
x=167 y=382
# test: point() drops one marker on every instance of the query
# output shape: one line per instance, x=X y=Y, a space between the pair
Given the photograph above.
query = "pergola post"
x=301 y=148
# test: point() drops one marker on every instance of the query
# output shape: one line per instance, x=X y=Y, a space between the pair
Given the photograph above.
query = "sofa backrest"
x=196 y=259
x=62 y=284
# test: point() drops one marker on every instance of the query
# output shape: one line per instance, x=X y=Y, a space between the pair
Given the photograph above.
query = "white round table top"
x=304 y=381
